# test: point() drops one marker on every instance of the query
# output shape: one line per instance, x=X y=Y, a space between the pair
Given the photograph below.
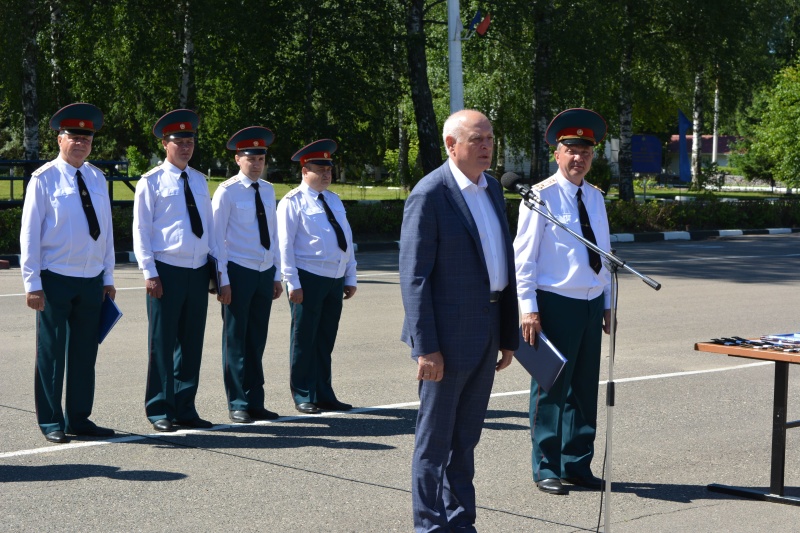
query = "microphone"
x=512 y=182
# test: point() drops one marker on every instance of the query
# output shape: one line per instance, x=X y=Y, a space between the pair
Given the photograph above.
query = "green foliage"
x=599 y=174
x=10 y=226
x=768 y=154
x=138 y=164
x=704 y=213
x=374 y=220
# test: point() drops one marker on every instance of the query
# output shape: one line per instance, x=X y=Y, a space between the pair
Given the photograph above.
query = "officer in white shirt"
x=246 y=237
x=67 y=262
x=319 y=266
x=172 y=236
x=564 y=290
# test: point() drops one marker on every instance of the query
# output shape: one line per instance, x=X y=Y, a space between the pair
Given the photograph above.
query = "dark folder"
x=109 y=316
x=214 y=281
x=543 y=361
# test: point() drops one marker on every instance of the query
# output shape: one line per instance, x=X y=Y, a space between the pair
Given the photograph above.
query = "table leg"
x=778 y=461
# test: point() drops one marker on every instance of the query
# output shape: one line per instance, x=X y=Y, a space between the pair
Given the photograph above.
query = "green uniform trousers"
x=176 y=324
x=245 y=324
x=315 y=323
x=67 y=332
x=564 y=420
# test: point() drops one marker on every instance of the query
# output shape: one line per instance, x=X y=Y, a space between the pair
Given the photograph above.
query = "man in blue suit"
x=459 y=293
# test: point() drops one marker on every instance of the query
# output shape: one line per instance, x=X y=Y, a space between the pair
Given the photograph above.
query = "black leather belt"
x=495 y=296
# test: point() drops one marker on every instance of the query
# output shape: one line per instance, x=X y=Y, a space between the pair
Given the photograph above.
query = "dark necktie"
x=588 y=234
x=261 y=214
x=337 y=229
x=88 y=208
x=191 y=206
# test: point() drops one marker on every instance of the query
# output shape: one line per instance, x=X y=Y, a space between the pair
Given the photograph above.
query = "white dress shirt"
x=307 y=239
x=55 y=233
x=549 y=258
x=161 y=227
x=486 y=219
x=236 y=233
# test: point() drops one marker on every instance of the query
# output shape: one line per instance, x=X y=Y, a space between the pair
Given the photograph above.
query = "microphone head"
x=510 y=180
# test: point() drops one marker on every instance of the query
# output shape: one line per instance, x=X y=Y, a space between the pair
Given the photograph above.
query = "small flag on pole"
x=484 y=25
x=475 y=20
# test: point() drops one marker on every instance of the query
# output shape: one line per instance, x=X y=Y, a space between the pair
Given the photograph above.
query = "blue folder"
x=109 y=316
x=543 y=361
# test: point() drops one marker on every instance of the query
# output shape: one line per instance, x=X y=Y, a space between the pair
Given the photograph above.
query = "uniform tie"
x=88 y=208
x=191 y=206
x=588 y=234
x=337 y=229
x=261 y=215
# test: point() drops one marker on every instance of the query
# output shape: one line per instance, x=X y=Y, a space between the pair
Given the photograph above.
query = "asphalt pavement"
x=682 y=419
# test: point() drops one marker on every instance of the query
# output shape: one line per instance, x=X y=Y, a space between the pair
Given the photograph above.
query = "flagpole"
x=454 y=47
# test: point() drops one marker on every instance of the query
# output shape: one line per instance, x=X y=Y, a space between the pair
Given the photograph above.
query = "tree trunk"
x=55 y=53
x=625 y=157
x=187 y=83
x=540 y=153
x=308 y=51
x=697 y=126
x=403 y=175
x=430 y=150
x=500 y=155
x=30 y=99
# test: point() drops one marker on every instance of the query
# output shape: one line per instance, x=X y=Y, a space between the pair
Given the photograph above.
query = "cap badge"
x=255 y=143
x=81 y=123
x=183 y=126
x=579 y=132
x=326 y=154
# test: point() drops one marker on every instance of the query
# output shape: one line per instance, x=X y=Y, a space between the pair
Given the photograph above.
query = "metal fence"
x=15 y=174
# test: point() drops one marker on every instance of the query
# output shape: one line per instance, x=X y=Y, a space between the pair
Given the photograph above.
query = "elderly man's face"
x=251 y=165
x=74 y=149
x=179 y=150
x=574 y=161
x=472 y=151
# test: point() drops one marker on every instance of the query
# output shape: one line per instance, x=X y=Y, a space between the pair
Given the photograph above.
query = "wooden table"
x=782 y=361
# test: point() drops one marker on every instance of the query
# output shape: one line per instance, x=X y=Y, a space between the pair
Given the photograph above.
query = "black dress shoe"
x=196 y=423
x=587 y=482
x=93 y=431
x=262 y=414
x=163 y=425
x=552 y=486
x=57 y=437
x=335 y=405
x=240 y=417
x=307 y=408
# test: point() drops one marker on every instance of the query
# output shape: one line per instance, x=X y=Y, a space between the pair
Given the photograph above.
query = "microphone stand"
x=612 y=264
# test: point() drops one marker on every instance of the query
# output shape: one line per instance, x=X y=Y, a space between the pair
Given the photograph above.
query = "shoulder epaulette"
x=94 y=167
x=228 y=182
x=596 y=187
x=291 y=193
x=545 y=184
x=42 y=168
x=151 y=172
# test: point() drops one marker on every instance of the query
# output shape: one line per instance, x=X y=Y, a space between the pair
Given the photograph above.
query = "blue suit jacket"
x=443 y=276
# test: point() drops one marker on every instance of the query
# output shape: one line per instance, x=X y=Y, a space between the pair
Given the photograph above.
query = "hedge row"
x=373 y=221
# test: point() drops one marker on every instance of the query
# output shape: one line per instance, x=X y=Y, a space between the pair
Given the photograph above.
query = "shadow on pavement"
x=20 y=473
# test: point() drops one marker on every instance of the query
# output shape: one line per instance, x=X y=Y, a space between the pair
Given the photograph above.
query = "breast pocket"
x=245 y=211
x=168 y=192
x=62 y=196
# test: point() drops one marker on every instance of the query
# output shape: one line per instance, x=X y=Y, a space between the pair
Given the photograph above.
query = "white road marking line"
x=132 y=438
